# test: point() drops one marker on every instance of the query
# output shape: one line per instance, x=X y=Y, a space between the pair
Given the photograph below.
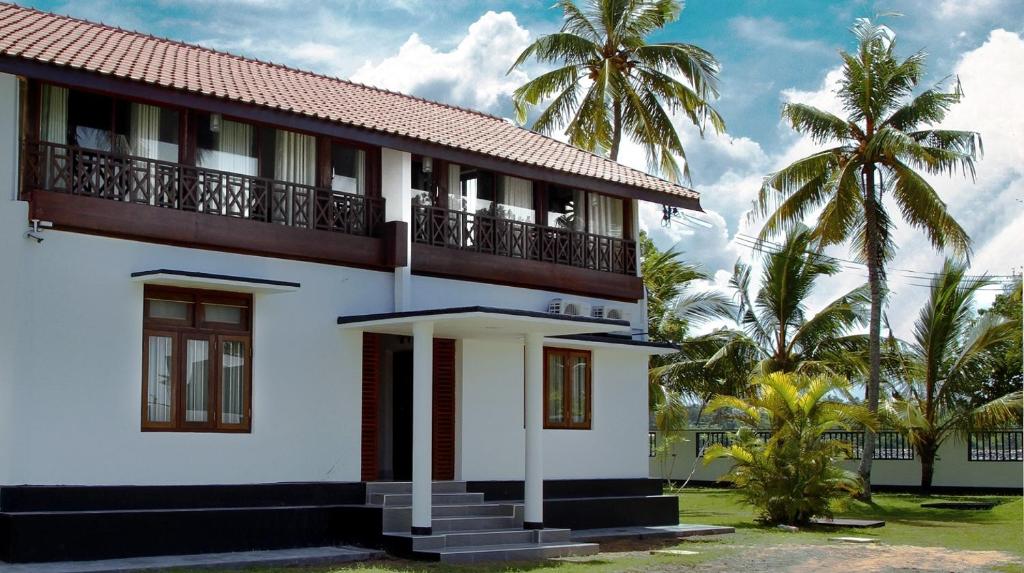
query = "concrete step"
x=451 y=524
x=473 y=510
x=405 y=499
x=406 y=487
x=482 y=538
x=399 y=518
x=514 y=552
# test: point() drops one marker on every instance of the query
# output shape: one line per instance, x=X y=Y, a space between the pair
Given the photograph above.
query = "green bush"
x=794 y=475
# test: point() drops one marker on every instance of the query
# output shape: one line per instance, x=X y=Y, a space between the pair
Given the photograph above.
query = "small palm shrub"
x=793 y=475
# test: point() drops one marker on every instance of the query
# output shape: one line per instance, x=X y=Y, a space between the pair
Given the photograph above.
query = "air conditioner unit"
x=568 y=307
x=610 y=312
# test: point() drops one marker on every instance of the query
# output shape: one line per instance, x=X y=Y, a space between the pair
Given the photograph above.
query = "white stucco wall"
x=491 y=417
x=13 y=219
x=951 y=468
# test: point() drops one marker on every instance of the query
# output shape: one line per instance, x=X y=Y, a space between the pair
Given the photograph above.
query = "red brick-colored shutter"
x=371 y=379
x=444 y=409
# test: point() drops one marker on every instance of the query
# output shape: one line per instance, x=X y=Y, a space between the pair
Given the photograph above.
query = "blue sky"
x=771 y=51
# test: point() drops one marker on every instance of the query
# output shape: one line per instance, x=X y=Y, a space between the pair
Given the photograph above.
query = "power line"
x=859 y=265
x=757 y=245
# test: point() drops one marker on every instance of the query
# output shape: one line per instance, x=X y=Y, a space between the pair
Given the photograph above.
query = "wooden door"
x=444 y=409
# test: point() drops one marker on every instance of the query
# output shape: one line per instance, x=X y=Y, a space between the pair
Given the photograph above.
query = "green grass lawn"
x=907 y=523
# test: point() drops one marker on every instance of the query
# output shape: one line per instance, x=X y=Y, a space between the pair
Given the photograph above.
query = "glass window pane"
x=53 y=124
x=605 y=214
x=348 y=169
x=159 y=389
x=147 y=131
x=197 y=376
x=222 y=313
x=294 y=157
x=169 y=309
x=515 y=199
x=232 y=391
x=565 y=208
x=556 y=387
x=226 y=145
x=579 y=390
x=90 y=117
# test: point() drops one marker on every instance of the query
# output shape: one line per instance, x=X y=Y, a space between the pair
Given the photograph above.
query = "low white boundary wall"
x=952 y=468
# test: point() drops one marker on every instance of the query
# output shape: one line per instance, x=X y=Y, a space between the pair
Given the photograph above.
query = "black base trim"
x=533 y=525
x=421 y=530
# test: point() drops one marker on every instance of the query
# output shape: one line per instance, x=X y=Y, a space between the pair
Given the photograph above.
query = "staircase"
x=465 y=528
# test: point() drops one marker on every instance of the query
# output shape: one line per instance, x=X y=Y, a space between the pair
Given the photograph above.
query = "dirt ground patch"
x=835 y=557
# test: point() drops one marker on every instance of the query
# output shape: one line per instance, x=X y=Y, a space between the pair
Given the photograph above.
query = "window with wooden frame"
x=196 y=360
x=567 y=389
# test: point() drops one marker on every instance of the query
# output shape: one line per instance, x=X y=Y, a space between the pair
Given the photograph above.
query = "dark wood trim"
x=567 y=391
x=160 y=95
x=443 y=415
x=481 y=267
x=146 y=423
x=370 y=399
x=396 y=237
x=205 y=231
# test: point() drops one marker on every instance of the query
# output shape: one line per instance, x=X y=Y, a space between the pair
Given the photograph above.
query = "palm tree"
x=610 y=81
x=673 y=304
x=944 y=367
x=878 y=148
x=776 y=330
x=794 y=474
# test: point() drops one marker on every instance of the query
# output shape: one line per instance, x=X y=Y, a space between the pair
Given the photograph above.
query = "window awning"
x=210 y=281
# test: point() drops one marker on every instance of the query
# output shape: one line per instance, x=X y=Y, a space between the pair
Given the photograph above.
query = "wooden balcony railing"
x=116 y=177
x=517 y=239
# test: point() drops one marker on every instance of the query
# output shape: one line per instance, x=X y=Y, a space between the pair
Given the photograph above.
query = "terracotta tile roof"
x=63 y=41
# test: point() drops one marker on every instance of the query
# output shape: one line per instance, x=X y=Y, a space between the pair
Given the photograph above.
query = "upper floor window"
x=94 y=121
x=226 y=145
x=487 y=193
x=348 y=168
x=196 y=371
x=567 y=391
x=586 y=211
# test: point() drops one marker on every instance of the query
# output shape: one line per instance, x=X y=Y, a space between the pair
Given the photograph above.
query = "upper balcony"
x=98 y=191
x=116 y=166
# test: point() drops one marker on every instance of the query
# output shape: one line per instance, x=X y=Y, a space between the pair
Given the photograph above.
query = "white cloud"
x=472 y=74
x=769 y=32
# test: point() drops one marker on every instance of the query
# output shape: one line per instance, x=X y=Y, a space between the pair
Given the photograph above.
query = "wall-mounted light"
x=215 y=122
x=428 y=164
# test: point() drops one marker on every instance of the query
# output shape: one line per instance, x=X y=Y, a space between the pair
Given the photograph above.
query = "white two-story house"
x=247 y=306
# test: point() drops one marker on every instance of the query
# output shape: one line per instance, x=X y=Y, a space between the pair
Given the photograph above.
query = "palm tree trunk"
x=874 y=264
x=616 y=129
x=927 y=469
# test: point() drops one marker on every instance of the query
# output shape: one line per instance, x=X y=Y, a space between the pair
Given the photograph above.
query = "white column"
x=422 y=424
x=396 y=188
x=533 y=512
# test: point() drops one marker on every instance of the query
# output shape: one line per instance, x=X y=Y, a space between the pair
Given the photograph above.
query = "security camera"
x=36 y=230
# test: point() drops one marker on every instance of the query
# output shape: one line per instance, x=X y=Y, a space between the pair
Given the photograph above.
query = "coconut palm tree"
x=673 y=304
x=945 y=365
x=794 y=474
x=611 y=82
x=878 y=149
x=776 y=331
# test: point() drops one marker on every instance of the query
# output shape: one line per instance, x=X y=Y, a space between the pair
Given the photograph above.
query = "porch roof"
x=490 y=322
x=481 y=322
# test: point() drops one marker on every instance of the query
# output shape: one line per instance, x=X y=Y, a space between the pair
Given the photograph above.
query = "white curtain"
x=54 y=125
x=455 y=188
x=232 y=382
x=158 y=379
x=295 y=157
x=197 y=360
x=518 y=199
x=144 y=133
x=605 y=215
